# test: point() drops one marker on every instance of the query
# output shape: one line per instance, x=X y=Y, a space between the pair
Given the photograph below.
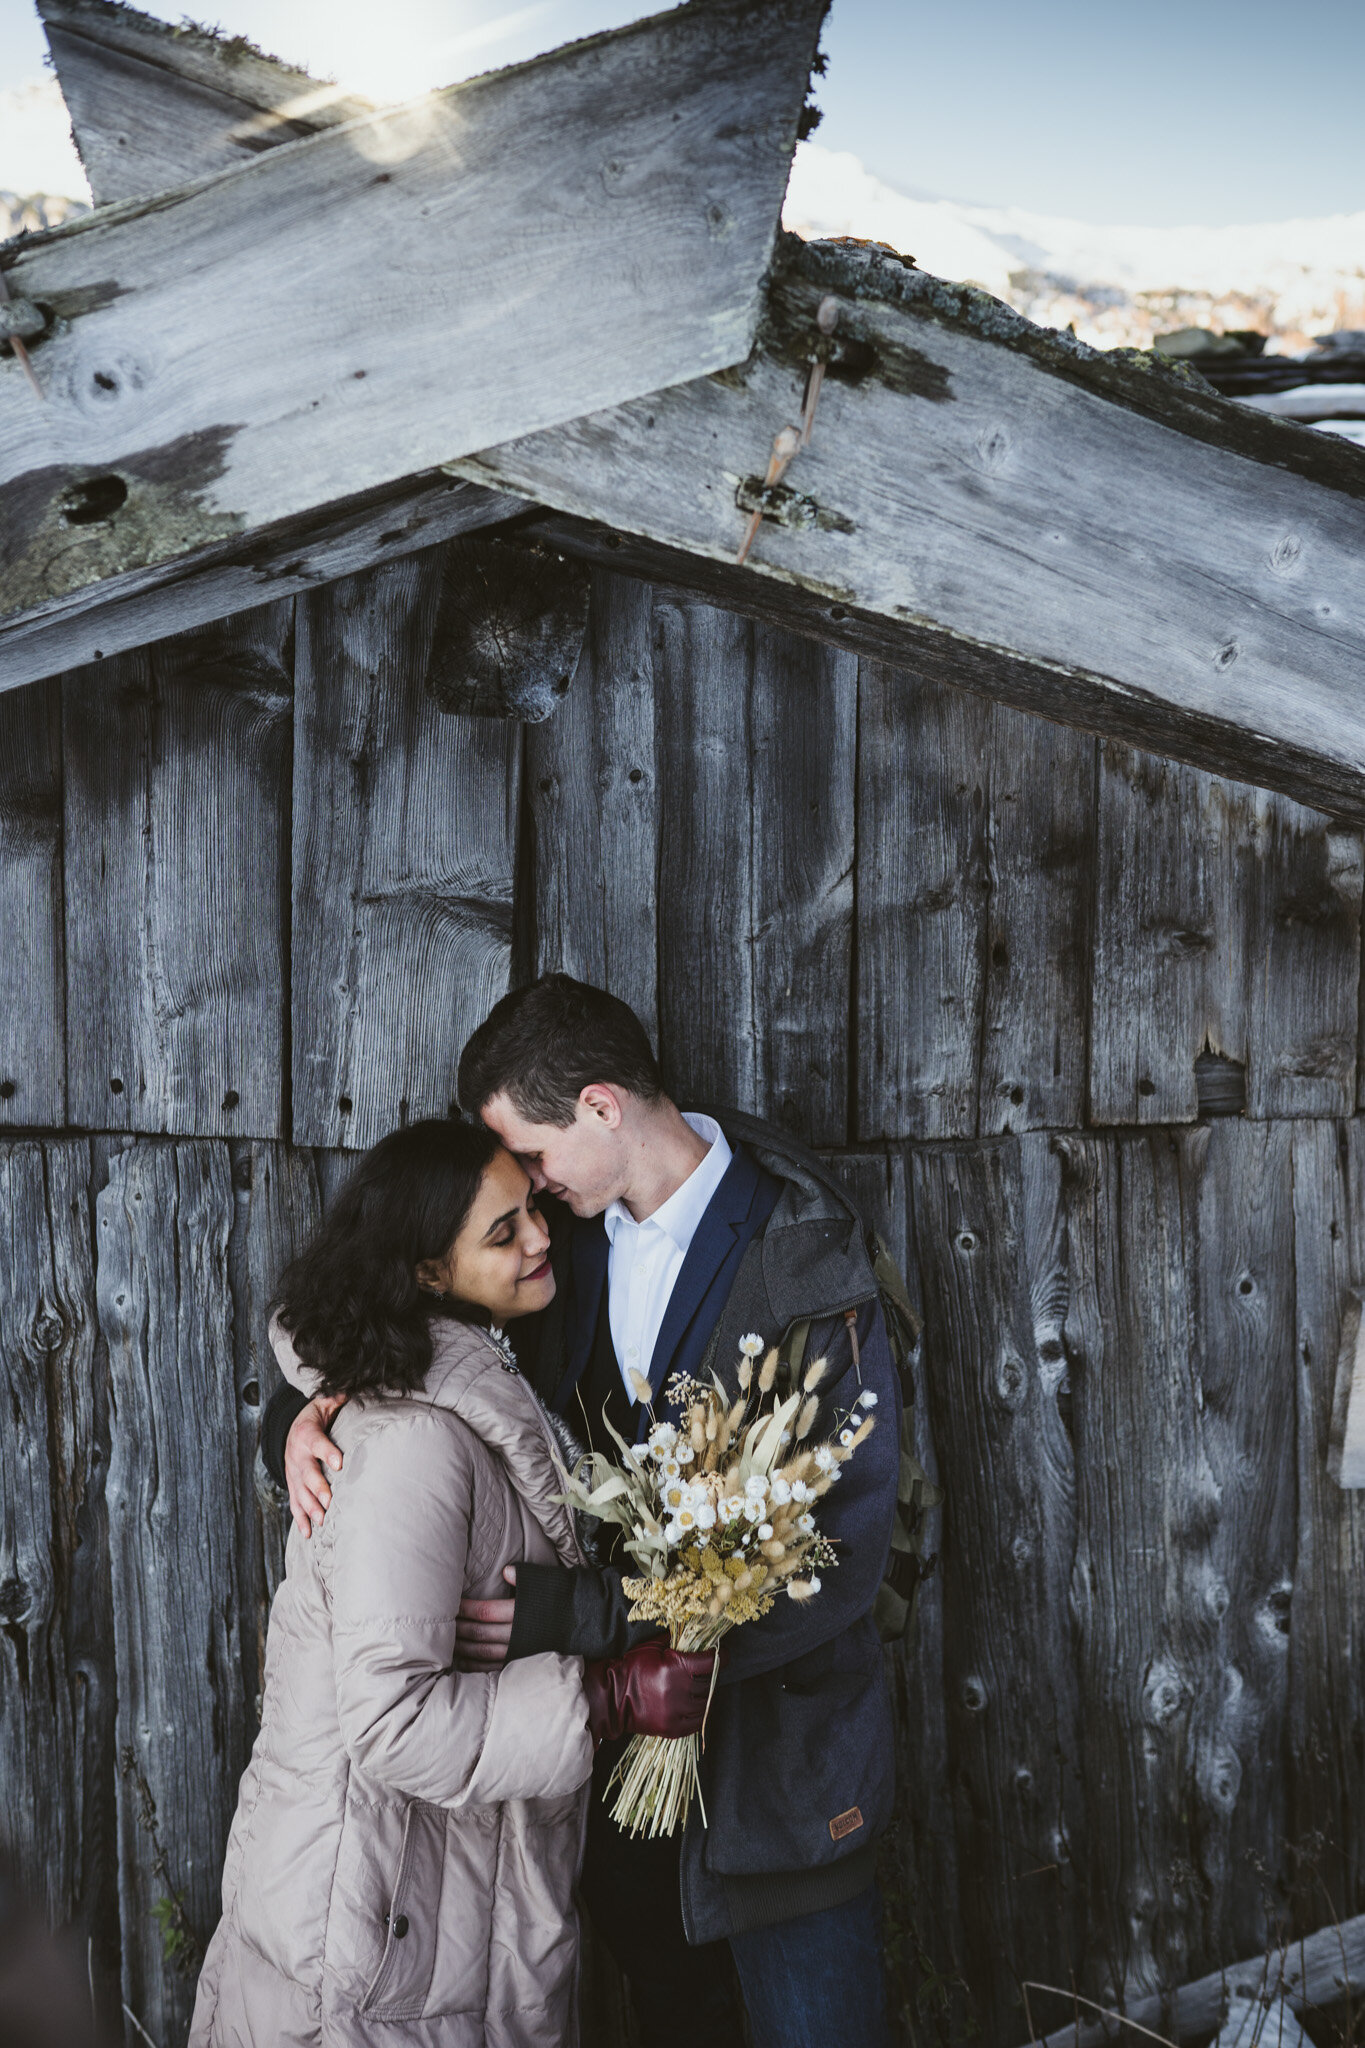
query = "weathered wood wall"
x=1079 y=1027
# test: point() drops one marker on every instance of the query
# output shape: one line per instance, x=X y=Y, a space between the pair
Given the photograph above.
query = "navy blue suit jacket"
x=737 y=1211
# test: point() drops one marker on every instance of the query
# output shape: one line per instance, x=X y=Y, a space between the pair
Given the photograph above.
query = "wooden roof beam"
x=1095 y=538
x=229 y=362
x=153 y=106
x=1098 y=538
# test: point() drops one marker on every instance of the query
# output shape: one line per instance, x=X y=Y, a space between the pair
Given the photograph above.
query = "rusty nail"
x=826 y=319
x=786 y=442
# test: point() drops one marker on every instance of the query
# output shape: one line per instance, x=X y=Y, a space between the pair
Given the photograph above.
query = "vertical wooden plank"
x=925 y=1942
x=1227 y=919
x=1009 y=1682
x=803 y=735
x=1154 y=928
x=1147 y=1512
x=165 y=1309
x=592 y=789
x=1327 y=1614
x=47 y=1709
x=1240 y=1219
x=33 y=1015
x=1301 y=886
x=1038 y=943
x=922 y=881
x=703 y=670
x=757 y=738
x=405 y=834
x=176 y=794
x=276 y=1206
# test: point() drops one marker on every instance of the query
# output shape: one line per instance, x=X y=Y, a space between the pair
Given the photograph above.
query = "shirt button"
x=400 y=1926
x=633 y=1351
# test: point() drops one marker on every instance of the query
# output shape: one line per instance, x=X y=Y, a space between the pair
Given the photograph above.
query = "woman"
x=407 y=1836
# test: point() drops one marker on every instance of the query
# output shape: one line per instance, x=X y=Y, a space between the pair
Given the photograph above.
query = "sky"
x=1172 y=113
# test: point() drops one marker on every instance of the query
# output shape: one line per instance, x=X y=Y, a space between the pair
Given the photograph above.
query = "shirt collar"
x=678 y=1217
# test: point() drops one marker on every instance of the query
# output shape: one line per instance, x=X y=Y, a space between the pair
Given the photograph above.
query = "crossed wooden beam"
x=304 y=336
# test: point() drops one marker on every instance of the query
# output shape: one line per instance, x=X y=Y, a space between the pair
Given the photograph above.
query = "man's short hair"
x=542 y=1046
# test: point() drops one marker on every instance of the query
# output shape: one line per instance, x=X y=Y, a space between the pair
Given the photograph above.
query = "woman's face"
x=501 y=1259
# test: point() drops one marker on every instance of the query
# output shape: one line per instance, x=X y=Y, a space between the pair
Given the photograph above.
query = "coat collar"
x=711 y=1246
x=473 y=1376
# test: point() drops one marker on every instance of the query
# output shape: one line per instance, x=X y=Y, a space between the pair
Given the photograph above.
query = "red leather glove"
x=652 y=1690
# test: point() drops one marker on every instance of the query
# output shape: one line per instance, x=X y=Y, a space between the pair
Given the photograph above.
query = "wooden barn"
x=446 y=544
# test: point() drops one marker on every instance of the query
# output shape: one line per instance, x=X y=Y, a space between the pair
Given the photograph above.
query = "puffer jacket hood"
x=402 y=1863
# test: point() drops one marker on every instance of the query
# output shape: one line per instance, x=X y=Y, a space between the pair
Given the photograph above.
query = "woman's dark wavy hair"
x=350 y=1300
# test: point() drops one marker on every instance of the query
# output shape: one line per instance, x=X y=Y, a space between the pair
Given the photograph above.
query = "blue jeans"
x=817 y=1982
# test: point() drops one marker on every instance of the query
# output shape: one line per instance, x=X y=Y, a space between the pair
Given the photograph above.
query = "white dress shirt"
x=645 y=1259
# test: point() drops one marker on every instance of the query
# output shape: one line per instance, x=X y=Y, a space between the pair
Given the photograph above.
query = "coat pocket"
x=400 y=1987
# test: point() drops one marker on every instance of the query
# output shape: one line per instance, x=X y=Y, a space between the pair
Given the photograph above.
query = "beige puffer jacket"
x=402 y=1863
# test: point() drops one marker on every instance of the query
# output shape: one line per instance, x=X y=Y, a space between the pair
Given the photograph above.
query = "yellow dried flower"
x=815 y=1372
x=806 y=1418
x=769 y=1372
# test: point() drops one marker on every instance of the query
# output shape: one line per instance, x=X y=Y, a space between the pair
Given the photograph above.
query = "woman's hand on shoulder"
x=308 y=1455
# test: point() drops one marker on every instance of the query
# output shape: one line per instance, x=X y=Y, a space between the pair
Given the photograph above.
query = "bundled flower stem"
x=718 y=1511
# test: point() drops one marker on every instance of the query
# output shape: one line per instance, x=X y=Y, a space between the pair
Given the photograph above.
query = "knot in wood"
x=974 y=1695
x=1164 y=1695
x=1223 y=1780
x=48 y=1329
x=13 y=1599
x=1011 y=1380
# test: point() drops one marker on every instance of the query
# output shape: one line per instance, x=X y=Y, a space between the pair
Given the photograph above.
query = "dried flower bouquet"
x=719 y=1513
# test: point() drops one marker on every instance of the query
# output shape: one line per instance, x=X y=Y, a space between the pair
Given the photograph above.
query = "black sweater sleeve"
x=284 y=1407
x=580 y=1611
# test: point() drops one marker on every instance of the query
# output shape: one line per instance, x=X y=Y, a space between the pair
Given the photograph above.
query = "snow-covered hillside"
x=1290 y=279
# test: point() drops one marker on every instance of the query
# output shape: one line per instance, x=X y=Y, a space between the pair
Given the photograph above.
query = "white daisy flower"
x=753 y=1510
x=825 y=1459
x=867 y=1399
x=706 y=1517
x=669 y=1468
x=781 y=1492
x=674 y=1497
x=733 y=1507
x=806 y=1524
x=814 y=1584
x=845 y=1437
x=752 y=1345
x=765 y=1531
x=685 y=1454
x=673 y=1532
x=685 y=1518
x=756 y=1486
x=800 y=1490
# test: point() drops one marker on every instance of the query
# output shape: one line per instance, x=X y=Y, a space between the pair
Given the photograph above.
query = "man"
x=674 y=1235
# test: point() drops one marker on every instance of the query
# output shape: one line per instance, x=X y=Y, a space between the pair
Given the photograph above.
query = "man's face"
x=582 y=1163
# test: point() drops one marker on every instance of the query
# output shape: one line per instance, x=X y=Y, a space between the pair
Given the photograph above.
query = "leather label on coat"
x=845 y=1824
